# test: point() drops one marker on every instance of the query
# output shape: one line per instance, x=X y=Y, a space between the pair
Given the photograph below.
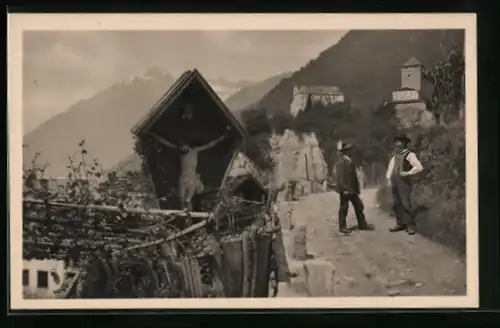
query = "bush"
x=439 y=192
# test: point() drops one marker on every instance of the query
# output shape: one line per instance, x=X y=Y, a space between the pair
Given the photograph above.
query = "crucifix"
x=189 y=178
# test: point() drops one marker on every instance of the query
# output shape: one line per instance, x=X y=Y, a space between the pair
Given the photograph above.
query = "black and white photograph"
x=272 y=160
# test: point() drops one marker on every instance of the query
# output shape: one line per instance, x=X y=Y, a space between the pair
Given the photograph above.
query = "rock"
x=289 y=290
x=297 y=267
x=320 y=276
x=382 y=281
x=419 y=284
x=393 y=292
x=349 y=279
x=299 y=243
x=298 y=285
x=285 y=221
x=397 y=283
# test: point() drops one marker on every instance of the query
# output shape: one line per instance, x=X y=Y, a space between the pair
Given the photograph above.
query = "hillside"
x=365 y=65
x=251 y=94
x=105 y=120
x=226 y=88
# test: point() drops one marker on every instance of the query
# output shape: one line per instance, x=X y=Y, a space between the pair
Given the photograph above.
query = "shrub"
x=439 y=192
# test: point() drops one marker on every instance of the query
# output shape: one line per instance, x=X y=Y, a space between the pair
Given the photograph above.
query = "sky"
x=61 y=68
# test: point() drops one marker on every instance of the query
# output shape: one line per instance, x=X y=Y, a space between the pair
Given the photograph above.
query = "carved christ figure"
x=189 y=179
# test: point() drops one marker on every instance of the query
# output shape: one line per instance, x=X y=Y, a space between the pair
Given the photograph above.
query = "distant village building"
x=410 y=101
x=41 y=278
x=308 y=95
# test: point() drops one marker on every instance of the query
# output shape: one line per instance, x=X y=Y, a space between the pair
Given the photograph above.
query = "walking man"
x=403 y=164
x=347 y=187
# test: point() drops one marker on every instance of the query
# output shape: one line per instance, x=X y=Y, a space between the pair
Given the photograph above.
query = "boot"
x=366 y=227
x=397 y=228
x=411 y=230
x=345 y=231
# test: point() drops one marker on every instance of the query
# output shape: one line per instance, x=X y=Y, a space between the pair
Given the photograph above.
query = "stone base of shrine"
x=311 y=277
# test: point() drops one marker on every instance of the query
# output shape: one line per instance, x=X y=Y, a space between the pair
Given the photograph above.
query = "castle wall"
x=299 y=103
x=300 y=100
x=414 y=114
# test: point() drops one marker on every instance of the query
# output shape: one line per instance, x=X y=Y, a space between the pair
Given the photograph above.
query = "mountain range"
x=364 y=64
x=104 y=120
x=251 y=94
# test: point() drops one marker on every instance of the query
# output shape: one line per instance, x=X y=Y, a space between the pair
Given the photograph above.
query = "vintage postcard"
x=262 y=161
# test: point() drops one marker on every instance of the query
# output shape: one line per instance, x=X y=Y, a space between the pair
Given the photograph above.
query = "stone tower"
x=411 y=74
x=410 y=100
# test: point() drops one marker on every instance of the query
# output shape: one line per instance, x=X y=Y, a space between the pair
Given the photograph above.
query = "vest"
x=401 y=164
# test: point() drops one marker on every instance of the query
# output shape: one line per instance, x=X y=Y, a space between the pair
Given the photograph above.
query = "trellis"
x=113 y=244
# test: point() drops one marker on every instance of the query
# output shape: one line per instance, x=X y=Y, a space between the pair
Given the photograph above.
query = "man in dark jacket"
x=348 y=188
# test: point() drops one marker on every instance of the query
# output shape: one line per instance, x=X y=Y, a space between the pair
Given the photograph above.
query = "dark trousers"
x=401 y=195
x=358 y=205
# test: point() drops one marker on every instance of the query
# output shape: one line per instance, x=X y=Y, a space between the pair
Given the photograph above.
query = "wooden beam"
x=115 y=209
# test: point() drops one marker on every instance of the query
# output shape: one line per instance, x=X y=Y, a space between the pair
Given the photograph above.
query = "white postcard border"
x=17 y=23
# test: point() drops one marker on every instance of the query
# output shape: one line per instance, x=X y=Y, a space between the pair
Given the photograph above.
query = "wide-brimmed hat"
x=343 y=146
x=403 y=139
x=346 y=147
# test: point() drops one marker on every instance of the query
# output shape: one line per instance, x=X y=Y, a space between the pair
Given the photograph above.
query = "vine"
x=104 y=223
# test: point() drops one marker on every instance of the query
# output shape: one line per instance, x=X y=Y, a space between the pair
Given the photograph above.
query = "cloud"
x=61 y=67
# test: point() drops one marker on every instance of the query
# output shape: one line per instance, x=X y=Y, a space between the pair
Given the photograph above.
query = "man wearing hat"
x=403 y=164
x=348 y=188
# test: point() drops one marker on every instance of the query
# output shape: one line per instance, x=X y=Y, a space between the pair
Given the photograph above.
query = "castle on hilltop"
x=414 y=88
x=304 y=96
x=410 y=100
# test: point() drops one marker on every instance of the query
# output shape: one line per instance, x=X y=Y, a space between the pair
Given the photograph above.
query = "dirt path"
x=377 y=263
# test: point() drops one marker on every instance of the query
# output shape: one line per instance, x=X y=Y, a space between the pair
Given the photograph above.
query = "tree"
x=382 y=128
x=256 y=121
x=259 y=126
x=330 y=123
x=282 y=121
x=447 y=78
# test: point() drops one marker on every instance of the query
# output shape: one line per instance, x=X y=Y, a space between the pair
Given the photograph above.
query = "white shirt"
x=347 y=157
x=412 y=159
